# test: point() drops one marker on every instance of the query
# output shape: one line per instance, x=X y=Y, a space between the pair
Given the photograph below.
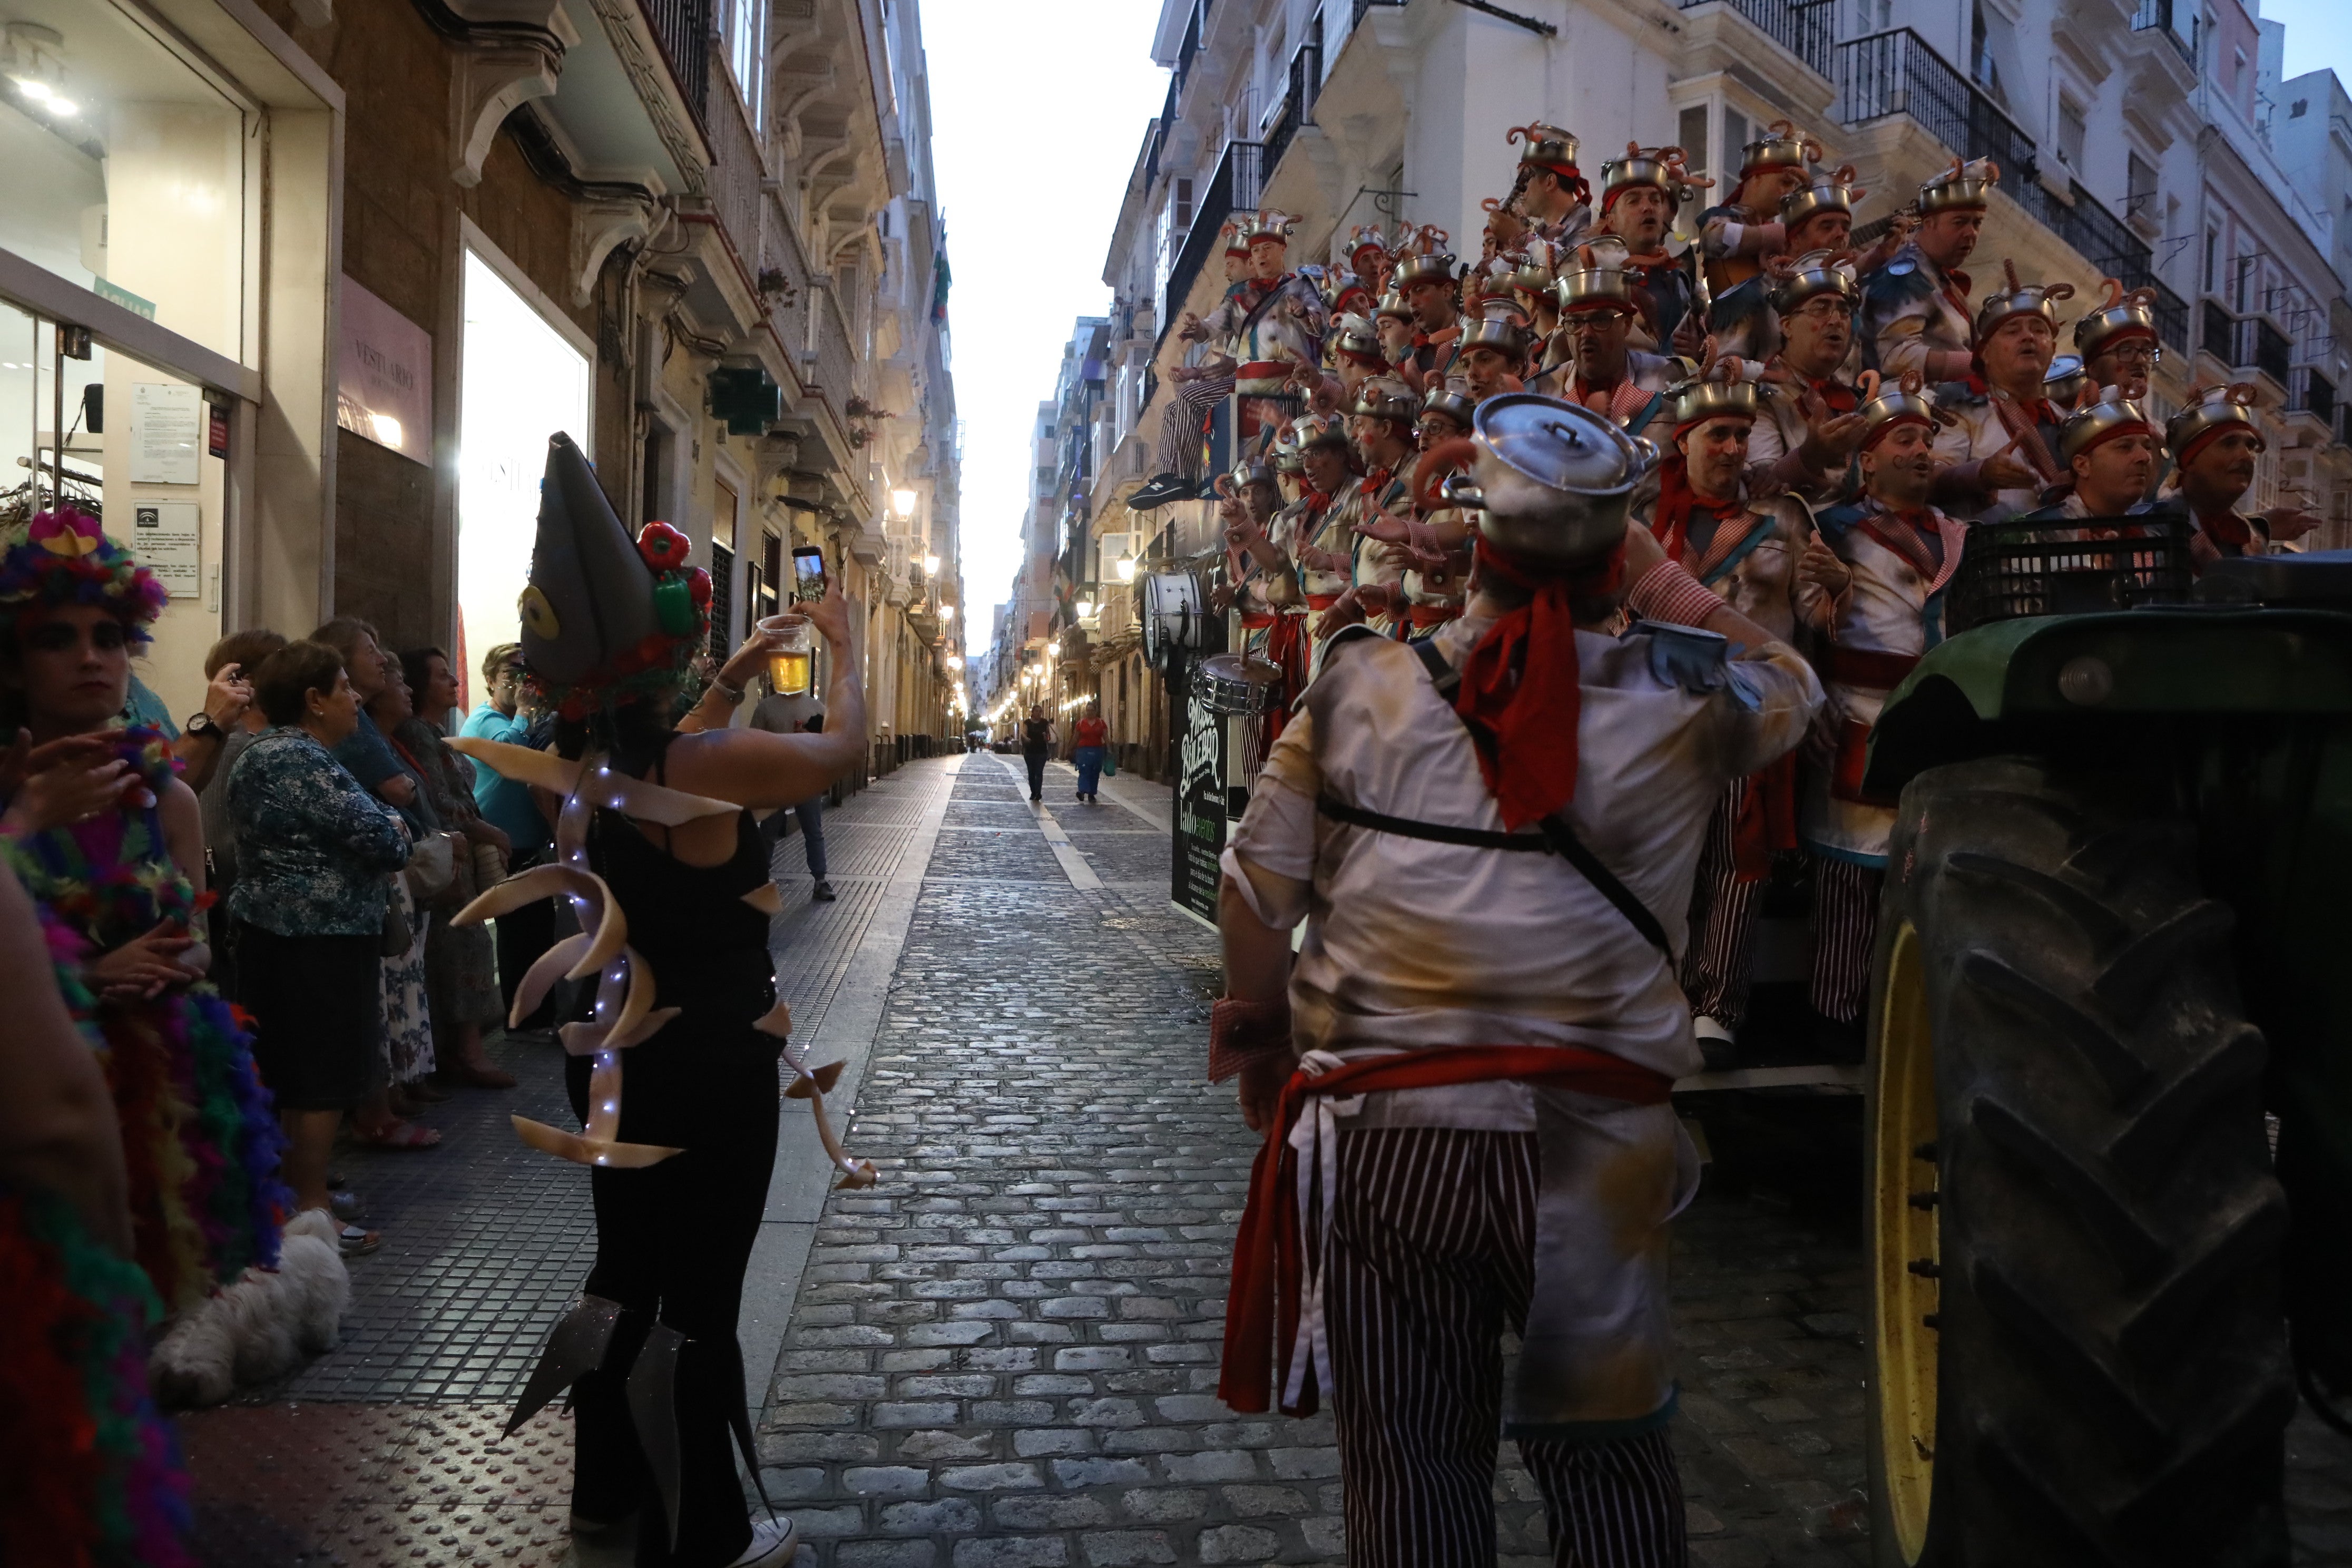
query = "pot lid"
x=1559 y=444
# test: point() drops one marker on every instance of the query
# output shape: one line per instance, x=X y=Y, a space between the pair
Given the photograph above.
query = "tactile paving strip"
x=300 y=1485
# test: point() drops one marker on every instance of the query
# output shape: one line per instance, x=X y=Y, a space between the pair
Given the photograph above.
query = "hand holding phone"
x=808 y=573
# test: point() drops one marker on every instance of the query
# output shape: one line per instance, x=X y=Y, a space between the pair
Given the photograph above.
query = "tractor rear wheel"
x=2078 y=1354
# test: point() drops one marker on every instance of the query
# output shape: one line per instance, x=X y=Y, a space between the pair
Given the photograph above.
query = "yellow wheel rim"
x=1904 y=1240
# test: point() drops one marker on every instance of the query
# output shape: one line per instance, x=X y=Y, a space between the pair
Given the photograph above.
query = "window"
x=2071 y=132
x=1735 y=142
x=2298 y=109
x=1690 y=132
x=744 y=28
x=1872 y=15
x=2140 y=186
x=1180 y=203
x=2212 y=259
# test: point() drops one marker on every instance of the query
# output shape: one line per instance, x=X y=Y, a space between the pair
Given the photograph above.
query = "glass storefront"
x=522 y=381
x=128 y=169
x=140 y=454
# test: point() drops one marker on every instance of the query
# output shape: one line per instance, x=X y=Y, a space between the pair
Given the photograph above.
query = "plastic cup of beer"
x=790 y=657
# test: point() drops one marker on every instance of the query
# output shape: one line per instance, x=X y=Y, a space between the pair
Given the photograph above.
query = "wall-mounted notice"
x=167 y=433
x=165 y=538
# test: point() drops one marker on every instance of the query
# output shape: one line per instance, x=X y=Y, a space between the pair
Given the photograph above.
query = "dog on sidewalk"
x=260 y=1328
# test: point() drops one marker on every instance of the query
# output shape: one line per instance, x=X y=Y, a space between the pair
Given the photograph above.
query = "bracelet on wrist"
x=732 y=694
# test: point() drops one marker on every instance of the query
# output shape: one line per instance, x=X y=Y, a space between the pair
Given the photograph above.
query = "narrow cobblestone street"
x=1003 y=1356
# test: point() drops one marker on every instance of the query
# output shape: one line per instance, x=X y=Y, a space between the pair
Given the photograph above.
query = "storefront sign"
x=167 y=433
x=383 y=378
x=165 y=538
x=1201 y=805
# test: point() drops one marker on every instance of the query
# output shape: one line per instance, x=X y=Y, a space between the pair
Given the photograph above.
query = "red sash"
x=1767 y=823
x=1264 y=1299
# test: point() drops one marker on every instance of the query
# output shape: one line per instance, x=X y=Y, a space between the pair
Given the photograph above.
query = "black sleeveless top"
x=708 y=949
x=1033 y=733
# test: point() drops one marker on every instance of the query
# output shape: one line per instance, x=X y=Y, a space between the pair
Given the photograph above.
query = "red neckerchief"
x=1676 y=501
x=1835 y=395
x=1908 y=541
x=1519 y=695
x=1624 y=397
x=2227 y=528
x=1959 y=296
x=1442 y=335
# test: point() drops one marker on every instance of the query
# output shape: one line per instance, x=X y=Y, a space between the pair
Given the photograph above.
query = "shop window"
x=142 y=452
x=521 y=381
x=127 y=171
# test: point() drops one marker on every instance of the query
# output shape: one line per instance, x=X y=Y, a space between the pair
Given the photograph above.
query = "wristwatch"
x=201 y=725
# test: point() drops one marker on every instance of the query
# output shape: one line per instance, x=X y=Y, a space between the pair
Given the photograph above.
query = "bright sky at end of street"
x=1038 y=112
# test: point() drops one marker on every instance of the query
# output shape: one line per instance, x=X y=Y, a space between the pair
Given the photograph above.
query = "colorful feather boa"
x=200 y=1138
x=89 y=1473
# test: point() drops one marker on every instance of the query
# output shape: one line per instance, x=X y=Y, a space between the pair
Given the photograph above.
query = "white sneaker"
x=774 y=1543
x=1706 y=1028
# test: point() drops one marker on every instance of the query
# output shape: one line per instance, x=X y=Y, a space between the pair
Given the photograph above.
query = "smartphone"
x=808 y=573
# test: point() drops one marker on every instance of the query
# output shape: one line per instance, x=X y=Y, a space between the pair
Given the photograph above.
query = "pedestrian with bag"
x=782 y=714
x=1038 y=738
x=1092 y=736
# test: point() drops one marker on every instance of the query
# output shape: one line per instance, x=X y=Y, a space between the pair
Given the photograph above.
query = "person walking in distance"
x=1092 y=737
x=1038 y=738
x=803 y=715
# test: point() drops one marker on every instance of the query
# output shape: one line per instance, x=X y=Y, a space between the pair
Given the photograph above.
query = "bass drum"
x=1232 y=683
x=1174 y=611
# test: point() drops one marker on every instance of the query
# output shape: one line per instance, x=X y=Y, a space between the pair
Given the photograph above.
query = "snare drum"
x=1235 y=683
x=1175 y=608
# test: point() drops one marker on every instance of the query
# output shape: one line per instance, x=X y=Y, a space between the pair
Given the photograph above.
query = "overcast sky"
x=2319 y=34
x=1038 y=111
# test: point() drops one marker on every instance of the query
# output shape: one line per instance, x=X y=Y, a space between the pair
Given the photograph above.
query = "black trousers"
x=522 y=935
x=1036 y=762
x=672 y=1242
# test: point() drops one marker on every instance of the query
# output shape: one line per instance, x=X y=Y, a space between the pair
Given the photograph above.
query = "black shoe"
x=1158 y=490
x=822 y=892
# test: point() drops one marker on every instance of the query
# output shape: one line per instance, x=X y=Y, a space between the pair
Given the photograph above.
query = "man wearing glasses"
x=528 y=932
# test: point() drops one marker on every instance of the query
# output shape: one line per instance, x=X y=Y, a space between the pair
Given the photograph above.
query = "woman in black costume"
x=608 y=627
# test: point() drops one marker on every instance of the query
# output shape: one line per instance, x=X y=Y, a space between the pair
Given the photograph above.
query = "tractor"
x=2108 y=1114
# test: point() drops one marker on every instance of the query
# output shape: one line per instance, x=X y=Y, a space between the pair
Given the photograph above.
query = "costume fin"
x=576 y=1347
x=653 y=1409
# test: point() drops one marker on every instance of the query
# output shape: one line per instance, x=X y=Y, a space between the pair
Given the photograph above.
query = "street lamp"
x=930 y=565
x=902 y=501
x=1125 y=567
x=1086 y=608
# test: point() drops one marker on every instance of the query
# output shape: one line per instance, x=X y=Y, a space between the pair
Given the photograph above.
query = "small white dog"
x=261 y=1327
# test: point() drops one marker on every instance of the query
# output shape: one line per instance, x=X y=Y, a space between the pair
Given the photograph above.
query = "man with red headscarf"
x=1639 y=194
x=1491 y=838
x=1883 y=562
x=1746 y=552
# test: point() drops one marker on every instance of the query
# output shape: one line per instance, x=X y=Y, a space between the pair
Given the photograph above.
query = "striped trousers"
x=1179 y=426
x=1432 y=1260
x=1716 y=969
x=1845 y=936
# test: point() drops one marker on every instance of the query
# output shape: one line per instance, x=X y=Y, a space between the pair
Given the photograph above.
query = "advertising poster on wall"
x=1202 y=802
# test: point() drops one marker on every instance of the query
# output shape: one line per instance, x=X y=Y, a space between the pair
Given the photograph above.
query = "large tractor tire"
x=2078 y=1352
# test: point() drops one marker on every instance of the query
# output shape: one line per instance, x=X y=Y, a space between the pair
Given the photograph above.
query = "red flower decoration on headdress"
x=663 y=548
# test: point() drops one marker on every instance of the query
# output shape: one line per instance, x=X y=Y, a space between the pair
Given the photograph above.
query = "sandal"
x=399 y=1135
x=357 y=1243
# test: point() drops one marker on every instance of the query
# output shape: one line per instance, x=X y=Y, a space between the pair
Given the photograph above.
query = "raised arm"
x=758 y=769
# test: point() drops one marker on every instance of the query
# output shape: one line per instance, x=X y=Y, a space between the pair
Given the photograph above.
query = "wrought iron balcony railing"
x=1806 y=28
x=1237 y=184
x=682 y=27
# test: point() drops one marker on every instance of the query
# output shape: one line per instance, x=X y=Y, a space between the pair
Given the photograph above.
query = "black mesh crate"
x=2013 y=569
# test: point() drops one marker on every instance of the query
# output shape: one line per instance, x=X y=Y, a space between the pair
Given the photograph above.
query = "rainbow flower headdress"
x=64 y=557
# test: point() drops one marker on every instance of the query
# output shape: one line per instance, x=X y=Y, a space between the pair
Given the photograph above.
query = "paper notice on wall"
x=165 y=537
x=168 y=429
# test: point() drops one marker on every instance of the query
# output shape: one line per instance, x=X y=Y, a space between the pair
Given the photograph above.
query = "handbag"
x=396 y=938
x=1110 y=762
x=432 y=869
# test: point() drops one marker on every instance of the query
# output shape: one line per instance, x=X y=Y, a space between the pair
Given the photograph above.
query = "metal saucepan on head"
x=1550 y=479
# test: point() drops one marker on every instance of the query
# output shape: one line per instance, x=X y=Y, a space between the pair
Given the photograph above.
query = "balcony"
x=2312 y=393
x=2218 y=333
x=682 y=28
x=2272 y=353
x=1237 y=184
x=1806 y=28
x=1364 y=7
x=1297 y=107
x=1895 y=72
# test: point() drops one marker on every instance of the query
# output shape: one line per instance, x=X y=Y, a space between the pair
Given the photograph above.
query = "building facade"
x=699 y=235
x=2137 y=140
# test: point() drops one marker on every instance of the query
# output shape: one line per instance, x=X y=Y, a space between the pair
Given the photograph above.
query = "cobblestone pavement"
x=1005 y=1353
